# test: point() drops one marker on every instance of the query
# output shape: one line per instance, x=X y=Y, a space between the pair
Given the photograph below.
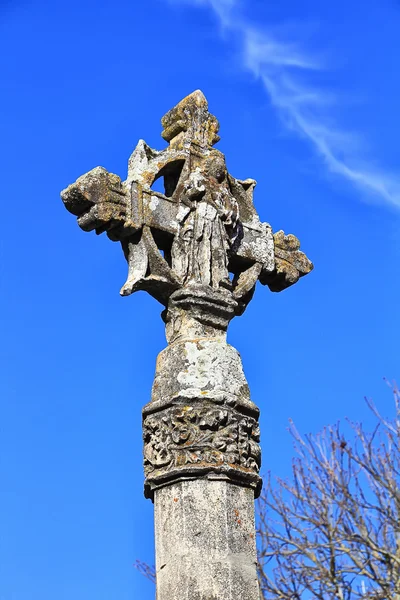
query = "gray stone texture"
x=201 y=229
x=205 y=539
x=201 y=418
x=199 y=248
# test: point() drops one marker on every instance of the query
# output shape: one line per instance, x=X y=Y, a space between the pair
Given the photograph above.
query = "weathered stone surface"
x=190 y=121
x=199 y=248
x=196 y=311
x=205 y=541
x=201 y=230
x=290 y=263
x=201 y=419
x=199 y=368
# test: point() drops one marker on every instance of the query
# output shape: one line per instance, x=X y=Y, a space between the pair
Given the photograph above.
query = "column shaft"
x=205 y=541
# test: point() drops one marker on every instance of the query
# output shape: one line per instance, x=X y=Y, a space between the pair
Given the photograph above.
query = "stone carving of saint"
x=209 y=216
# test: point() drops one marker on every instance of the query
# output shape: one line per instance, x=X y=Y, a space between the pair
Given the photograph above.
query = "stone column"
x=202 y=456
x=205 y=540
x=199 y=249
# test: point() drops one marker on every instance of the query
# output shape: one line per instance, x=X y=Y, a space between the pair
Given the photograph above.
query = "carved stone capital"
x=201 y=421
x=200 y=439
x=197 y=311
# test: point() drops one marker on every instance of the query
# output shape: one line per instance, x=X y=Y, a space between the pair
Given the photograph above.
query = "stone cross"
x=199 y=248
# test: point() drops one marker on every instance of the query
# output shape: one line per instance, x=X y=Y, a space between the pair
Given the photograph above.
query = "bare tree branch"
x=332 y=531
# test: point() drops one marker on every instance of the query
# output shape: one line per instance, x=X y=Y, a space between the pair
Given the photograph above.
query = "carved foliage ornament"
x=184 y=440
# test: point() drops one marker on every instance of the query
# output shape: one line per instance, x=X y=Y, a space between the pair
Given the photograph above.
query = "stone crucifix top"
x=186 y=242
x=199 y=248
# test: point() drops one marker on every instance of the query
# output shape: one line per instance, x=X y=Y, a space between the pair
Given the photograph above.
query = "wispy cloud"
x=282 y=69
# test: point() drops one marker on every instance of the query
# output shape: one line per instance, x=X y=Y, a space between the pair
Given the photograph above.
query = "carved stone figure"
x=208 y=229
x=199 y=248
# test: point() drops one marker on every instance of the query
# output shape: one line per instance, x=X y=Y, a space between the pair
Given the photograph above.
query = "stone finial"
x=190 y=121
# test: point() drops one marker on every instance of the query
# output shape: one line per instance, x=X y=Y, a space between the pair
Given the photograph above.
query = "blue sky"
x=307 y=97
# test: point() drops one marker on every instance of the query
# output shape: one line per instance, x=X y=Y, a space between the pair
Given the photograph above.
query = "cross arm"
x=289 y=263
x=281 y=261
x=279 y=256
x=100 y=200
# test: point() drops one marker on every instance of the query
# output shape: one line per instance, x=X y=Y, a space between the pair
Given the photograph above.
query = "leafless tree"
x=332 y=531
x=147 y=570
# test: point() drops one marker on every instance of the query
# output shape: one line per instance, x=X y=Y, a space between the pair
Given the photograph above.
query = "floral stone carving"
x=190 y=440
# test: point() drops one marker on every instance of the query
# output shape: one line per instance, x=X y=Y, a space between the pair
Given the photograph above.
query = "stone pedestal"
x=205 y=541
x=202 y=456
